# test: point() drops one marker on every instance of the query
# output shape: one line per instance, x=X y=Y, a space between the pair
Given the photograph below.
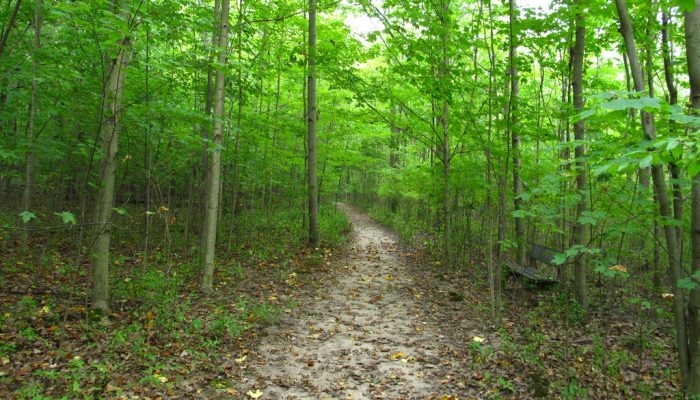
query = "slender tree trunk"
x=445 y=127
x=579 y=233
x=514 y=127
x=692 y=44
x=215 y=161
x=672 y=100
x=494 y=269
x=31 y=126
x=8 y=27
x=312 y=114
x=147 y=154
x=109 y=134
x=239 y=116
x=661 y=195
x=205 y=132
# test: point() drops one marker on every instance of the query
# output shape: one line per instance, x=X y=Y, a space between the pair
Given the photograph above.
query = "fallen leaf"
x=619 y=268
x=255 y=394
x=240 y=360
x=478 y=339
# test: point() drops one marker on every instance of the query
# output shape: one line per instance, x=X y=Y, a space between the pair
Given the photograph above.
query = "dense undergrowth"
x=162 y=337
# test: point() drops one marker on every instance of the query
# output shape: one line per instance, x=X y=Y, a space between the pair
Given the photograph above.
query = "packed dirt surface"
x=365 y=335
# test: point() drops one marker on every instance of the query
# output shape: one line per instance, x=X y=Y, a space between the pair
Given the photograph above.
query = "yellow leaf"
x=398 y=355
x=255 y=394
x=389 y=278
x=478 y=339
x=272 y=298
x=44 y=310
x=240 y=359
x=667 y=296
x=160 y=378
x=618 y=268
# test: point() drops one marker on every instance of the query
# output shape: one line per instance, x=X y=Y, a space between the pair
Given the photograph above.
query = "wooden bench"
x=535 y=254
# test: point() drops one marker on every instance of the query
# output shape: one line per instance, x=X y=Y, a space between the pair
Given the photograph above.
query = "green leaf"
x=67 y=217
x=687 y=283
x=27 y=216
x=602 y=169
x=119 y=210
x=685 y=5
x=560 y=258
x=519 y=214
x=646 y=161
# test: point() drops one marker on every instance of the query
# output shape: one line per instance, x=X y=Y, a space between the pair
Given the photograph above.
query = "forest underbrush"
x=545 y=345
x=162 y=337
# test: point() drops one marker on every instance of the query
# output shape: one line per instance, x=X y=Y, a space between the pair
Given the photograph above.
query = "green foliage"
x=224 y=325
x=67 y=217
x=27 y=216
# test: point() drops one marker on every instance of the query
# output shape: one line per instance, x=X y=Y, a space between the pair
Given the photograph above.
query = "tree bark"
x=579 y=232
x=239 y=115
x=661 y=194
x=692 y=44
x=214 y=183
x=494 y=270
x=514 y=127
x=31 y=125
x=311 y=138
x=205 y=133
x=672 y=100
x=109 y=134
x=445 y=126
x=6 y=33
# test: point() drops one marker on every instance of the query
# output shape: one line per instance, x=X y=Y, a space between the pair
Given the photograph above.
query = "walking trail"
x=364 y=336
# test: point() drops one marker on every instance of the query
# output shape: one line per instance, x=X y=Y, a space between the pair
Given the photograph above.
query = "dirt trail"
x=364 y=336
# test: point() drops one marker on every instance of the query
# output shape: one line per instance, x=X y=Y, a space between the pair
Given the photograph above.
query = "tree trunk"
x=661 y=195
x=8 y=27
x=31 y=125
x=213 y=185
x=312 y=114
x=109 y=134
x=445 y=125
x=494 y=270
x=205 y=133
x=692 y=44
x=514 y=127
x=239 y=115
x=579 y=233
x=672 y=100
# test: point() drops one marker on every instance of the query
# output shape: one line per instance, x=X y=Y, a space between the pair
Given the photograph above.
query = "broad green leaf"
x=67 y=217
x=27 y=216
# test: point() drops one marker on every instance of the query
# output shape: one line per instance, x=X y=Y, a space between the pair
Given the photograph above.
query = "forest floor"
x=366 y=334
x=372 y=319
